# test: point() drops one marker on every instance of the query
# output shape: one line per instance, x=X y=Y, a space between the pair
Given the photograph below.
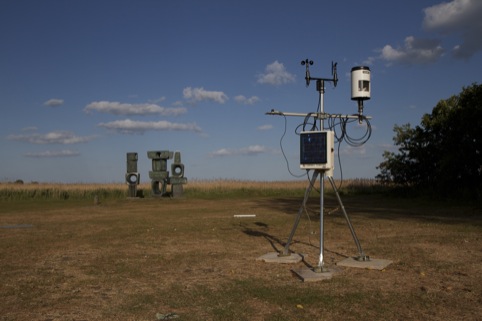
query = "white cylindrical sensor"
x=360 y=83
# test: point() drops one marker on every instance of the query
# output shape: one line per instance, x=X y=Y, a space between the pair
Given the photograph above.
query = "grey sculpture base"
x=177 y=190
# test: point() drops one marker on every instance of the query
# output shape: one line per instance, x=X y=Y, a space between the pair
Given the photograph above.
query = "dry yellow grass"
x=240 y=184
x=133 y=260
x=211 y=188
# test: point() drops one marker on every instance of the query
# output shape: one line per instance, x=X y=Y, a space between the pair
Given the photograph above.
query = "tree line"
x=443 y=154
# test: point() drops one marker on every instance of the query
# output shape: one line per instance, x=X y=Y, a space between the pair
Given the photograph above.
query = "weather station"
x=317 y=156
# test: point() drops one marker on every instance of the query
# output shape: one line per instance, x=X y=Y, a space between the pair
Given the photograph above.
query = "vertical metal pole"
x=320 y=268
x=321 y=88
x=321 y=263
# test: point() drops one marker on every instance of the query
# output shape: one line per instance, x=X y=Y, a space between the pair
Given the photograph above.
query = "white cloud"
x=265 y=127
x=250 y=150
x=247 y=101
x=116 y=108
x=56 y=137
x=128 y=126
x=276 y=74
x=222 y=152
x=50 y=154
x=158 y=100
x=54 y=102
x=446 y=16
x=354 y=151
x=368 y=62
x=414 y=51
x=459 y=17
x=199 y=94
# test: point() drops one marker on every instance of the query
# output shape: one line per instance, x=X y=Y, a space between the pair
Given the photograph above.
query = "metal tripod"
x=320 y=267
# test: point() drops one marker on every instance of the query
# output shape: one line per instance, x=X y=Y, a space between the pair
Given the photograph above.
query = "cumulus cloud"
x=276 y=74
x=247 y=101
x=250 y=150
x=128 y=126
x=459 y=17
x=456 y=18
x=199 y=94
x=54 y=102
x=265 y=127
x=116 y=108
x=414 y=51
x=52 y=154
x=55 y=137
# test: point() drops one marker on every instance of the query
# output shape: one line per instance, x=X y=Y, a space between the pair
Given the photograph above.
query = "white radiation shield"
x=360 y=83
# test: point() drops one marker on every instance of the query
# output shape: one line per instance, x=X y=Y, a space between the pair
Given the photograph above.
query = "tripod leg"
x=361 y=255
x=300 y=212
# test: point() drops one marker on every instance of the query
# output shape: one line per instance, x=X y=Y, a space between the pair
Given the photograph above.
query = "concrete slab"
x=373 y=264
x=274 y=257
x=308 y=275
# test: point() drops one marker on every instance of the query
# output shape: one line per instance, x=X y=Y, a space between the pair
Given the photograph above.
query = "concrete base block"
x=274 y=257
x=308 y=275
x=373 y=264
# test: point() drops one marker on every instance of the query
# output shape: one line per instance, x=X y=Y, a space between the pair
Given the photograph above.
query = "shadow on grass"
x=277 y=244
x=380 y=207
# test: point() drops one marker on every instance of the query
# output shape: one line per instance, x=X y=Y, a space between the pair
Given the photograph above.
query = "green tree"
x=443 y=153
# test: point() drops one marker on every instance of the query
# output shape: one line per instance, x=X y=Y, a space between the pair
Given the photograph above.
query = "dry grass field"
x=66 y=258
x=197 y=188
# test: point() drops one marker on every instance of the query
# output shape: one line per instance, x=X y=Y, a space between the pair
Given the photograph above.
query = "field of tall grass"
x=195 y=188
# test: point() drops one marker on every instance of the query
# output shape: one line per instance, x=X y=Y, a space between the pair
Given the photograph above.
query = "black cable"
x=332 y=124
x=341 y=167
x=283 y=152
x=356 y=142
x=305 y=122
x=309 y=181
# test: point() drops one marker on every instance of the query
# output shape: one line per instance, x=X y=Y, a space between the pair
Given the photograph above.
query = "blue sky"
x=84 y=82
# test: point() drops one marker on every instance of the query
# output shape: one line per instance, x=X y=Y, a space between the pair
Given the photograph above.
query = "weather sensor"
x=360 y=86
x=317 y=147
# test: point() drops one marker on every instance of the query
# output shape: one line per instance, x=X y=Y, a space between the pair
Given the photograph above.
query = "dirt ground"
x=192 y=259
